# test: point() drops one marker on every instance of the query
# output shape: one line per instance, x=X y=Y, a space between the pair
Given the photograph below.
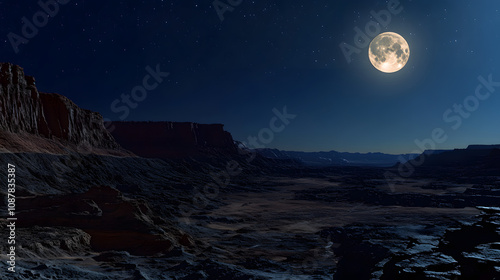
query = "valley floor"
x=344 y=223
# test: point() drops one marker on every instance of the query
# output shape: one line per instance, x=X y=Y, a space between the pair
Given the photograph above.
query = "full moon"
x=389 y=52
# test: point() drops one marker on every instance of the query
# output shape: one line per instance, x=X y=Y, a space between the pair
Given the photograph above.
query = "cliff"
x=32 y=121
x=173 y=139
x=483 y=158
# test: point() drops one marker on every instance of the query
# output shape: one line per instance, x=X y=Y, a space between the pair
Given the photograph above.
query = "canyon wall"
x=25 y=110
x=173 y=139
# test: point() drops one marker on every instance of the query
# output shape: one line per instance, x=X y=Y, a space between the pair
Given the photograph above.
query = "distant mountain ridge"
x=334 y=158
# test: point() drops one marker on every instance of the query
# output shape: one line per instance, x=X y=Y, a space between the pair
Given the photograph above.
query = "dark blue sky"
x=271 y=54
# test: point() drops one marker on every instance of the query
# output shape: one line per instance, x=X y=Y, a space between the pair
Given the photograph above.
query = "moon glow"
x=389 y=52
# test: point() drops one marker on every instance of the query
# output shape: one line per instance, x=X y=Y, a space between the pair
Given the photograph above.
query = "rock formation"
x=470 y=251
x=173 y=139
x=113 y=221
x=49 y=116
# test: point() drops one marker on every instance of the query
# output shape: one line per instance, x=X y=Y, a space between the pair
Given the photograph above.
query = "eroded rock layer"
x=25 y=110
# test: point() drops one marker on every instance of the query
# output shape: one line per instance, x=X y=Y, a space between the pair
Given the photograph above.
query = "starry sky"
x=235 y=66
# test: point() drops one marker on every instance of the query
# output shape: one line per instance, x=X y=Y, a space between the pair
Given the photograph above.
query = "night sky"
x=271 y=54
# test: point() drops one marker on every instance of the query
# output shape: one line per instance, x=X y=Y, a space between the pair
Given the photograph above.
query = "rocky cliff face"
x=48 y=115
x=173 y=139
x=33 y=121
x=21 y=107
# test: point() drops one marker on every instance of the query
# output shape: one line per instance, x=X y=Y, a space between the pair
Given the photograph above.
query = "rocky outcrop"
x=471 y=251
x=113 y=221
x=461 y=250
x=25 y=110
x=173 y=139
x=476 y=247
x=63 y=119
x=49 y=242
